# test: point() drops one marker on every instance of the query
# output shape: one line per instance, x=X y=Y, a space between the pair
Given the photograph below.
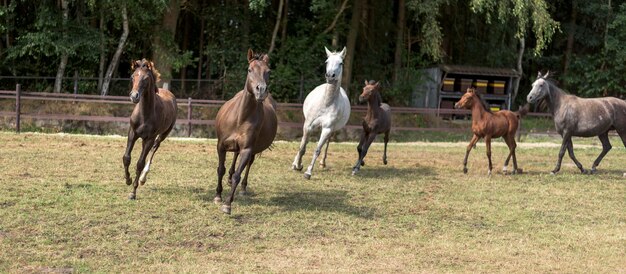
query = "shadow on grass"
x=320 y=200
x=383 y=172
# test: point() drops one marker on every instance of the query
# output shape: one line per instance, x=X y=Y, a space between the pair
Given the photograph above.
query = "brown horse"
x=245 y=125
x=152 y=120
x=489 y=125
x=377 y=120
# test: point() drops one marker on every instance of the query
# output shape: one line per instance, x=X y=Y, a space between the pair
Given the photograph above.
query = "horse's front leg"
x=370 y=138
x=471 y=145
x=359 y=149
x=606 y=146
x=245 y=154
x=146 y=146
x=130 y=143
x=488 y=145
x=566 y=140
x=221 y=170
x=297 y=162
x=570 y=151
x=323 y=138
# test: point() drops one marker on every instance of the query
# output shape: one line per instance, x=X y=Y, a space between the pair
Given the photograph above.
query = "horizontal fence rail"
x=189 y=103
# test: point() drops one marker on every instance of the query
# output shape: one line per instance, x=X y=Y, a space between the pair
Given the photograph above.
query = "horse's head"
x=467 y=100
x=258 y=75
x=540 y=89
x=334 y=65
x=143 y=78
x=370 y=88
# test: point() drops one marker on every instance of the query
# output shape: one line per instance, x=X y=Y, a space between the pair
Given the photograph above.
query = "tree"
x=118 y=52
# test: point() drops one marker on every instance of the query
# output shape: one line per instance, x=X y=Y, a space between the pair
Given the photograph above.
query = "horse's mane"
x=483 y=102
x=543 y=102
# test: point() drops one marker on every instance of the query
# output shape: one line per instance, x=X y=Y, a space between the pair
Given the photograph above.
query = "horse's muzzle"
x=361 y=99
x=134 y=97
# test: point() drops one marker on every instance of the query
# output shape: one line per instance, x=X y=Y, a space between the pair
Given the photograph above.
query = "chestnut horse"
x=489 y=125
x=377 y=120
x=245 y=125
x=152 y=119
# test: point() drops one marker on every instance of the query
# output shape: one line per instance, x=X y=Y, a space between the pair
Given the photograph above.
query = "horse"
x=245 y=125
x=582 y=117
x=377 y=120
x=326 y=107
x=152 y=119
x=487 y=124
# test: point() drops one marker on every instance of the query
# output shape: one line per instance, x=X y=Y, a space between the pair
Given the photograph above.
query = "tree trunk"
x=283 y=35
x=570 y=39
x=520 y=54
x=102 y=51
x=162 y=55
x=58 y=82
x=183 y=70
x=279 y=16
x=397 y=58
x=118 y=53
x=351 y=43
x=200 y=55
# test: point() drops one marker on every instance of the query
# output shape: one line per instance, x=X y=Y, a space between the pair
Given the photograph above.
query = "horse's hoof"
x=585 y=171
x=488 y=172
x=295 y=167
x=226 y=209
x=128 y=181
x=384 y=162
x=362 y=163
x=307 y=176
x=464 y=170
x=519 y=171
x=624 y=175
x=323 y=165
x=217 y=200
x=593 y=171
x=354 y=171
x=553 y=172
x=142 y=181
x=132 y=196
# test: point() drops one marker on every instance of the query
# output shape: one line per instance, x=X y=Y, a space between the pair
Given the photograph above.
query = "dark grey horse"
x=583 y=117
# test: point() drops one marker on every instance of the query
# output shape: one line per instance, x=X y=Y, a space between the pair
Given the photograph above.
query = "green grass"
x=64 y=207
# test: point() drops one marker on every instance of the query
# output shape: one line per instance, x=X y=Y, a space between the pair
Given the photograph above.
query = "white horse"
x=326 y=107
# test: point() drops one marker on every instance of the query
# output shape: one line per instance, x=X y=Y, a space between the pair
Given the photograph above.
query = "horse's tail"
x=522 y=111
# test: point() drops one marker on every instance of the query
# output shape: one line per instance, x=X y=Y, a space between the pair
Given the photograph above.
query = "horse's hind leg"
x=146 y=146
x=244 y=182
x=488 y=145
x=606 y=146
x=510 y=142
x=323 y=161
x=297 y=162
x=221 y=170
x=622 y=134
x=323 y=138
x=386 y=140
x=146 y=169
x=231 y=171
x=132 y=138
x=370 y=138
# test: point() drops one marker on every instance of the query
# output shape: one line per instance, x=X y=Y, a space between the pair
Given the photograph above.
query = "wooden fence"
x=189 y=104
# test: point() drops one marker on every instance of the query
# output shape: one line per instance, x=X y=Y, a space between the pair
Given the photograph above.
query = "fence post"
x=18 y=108
x=189 y=117
x=166 y=85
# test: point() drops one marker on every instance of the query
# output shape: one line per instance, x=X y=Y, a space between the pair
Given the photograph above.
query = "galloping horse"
x=583 y=117
x=377 y=120
x=245 y=125
x=152 y=119
x=489 y=125
x=326 y=107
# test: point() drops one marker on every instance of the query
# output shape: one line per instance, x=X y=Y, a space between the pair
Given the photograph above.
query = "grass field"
x=64 y=208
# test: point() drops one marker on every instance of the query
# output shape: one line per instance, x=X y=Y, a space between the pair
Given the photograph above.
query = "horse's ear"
x=266 y=58
x=366 y=82
x=136 y=64
x=150 y=65
x=343 y=53
x=378 y=84
x=539 y=75
x=328 y=53
x=250 y=55
x=547 y=74
x=470 y=90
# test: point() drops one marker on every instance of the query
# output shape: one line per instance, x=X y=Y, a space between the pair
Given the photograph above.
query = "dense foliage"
x=199 y=46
